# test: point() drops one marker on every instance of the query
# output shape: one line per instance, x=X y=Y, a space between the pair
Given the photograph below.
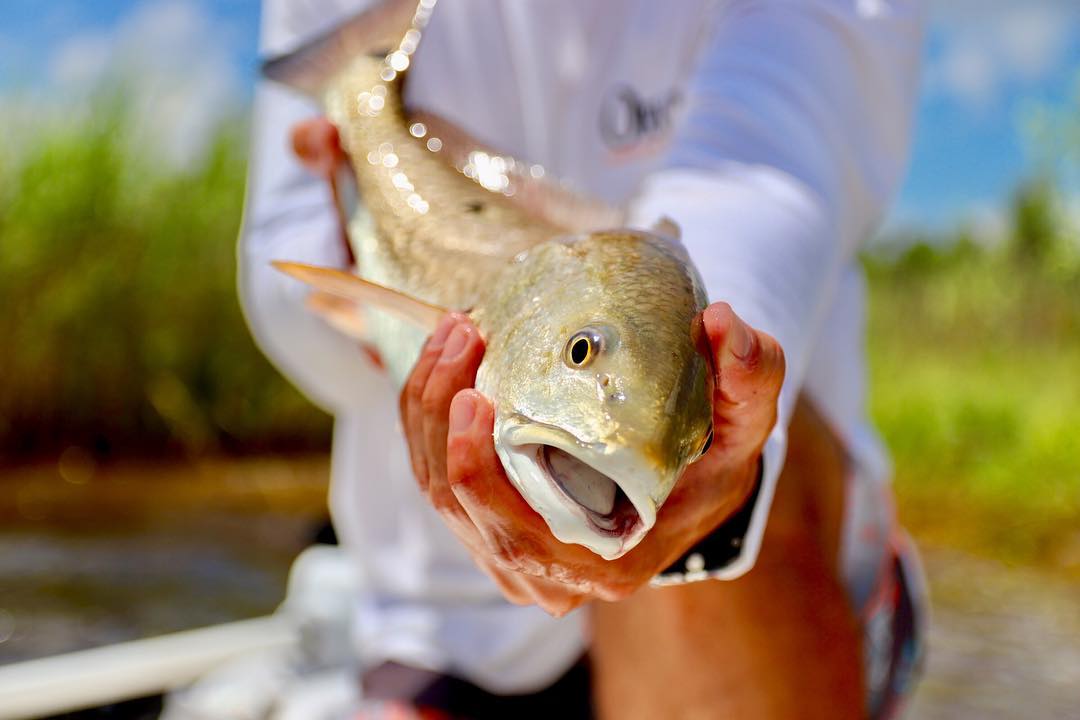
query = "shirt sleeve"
x=289 y=215
x=795 y=140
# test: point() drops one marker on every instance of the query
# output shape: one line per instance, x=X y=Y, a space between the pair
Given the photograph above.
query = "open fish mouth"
x=589 y=495
x=605 y=504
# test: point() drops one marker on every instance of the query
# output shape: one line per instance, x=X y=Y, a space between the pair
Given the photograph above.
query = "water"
x=62 y=592
x=115 y=560
x=137 y=551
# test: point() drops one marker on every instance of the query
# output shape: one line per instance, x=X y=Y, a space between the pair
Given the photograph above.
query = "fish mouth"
x=604 y=502
x=589 y=494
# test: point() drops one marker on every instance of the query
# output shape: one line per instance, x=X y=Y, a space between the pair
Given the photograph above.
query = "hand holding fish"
x=449 y=430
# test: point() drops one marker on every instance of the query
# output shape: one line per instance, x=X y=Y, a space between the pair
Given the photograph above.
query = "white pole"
x=109 y=674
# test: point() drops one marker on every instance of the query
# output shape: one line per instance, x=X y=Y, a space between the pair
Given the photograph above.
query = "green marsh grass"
x=975 y=357
x=120 y=322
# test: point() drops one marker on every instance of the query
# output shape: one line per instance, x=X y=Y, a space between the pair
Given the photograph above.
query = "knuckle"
x=461 y=472
x=561 y=606
x=780 y=365
x=772 y=354
x=614 y=591
x=515 y=595
x=505 y=552
x=519 y=553
x=432 y=401
x=443 y=500
x=530 y=554
x=553 y=607
x=414 y=390
x=520 y=596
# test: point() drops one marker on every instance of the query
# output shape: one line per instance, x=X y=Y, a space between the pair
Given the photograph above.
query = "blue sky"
x=988 y=62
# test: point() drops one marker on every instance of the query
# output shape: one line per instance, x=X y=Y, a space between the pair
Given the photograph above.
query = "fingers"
x=317 y=145
x=749 y=366
x=455 y=370
x=518 y=540
x=411 y=401
x=517 y=537
x=527 y=561
x=518 y=549
x=447 y=364
x=551 y=597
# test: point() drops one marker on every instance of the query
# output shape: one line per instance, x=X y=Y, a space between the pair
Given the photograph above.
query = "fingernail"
x=742 y=341
x=456 y=342
x=462 y=412
x=441 y=331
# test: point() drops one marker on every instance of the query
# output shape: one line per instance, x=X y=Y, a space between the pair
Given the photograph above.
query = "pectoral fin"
x=341 y=314
x=347 y=286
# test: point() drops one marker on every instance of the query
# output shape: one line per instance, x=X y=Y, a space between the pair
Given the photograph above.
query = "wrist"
x=718 y=548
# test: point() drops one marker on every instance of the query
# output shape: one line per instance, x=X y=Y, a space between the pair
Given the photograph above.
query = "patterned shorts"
x=888 y=591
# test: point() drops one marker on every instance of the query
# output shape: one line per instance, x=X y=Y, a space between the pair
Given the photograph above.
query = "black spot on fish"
x=474 y=206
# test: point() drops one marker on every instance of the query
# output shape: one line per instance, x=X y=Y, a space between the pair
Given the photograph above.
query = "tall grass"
x=975 y=356
x=119 y=321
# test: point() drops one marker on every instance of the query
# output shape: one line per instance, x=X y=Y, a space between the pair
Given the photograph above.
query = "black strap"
x=722 y=546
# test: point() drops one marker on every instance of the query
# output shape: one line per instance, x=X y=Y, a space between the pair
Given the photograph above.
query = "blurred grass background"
x=975 y=373
x=124 y=337
x=118 y=284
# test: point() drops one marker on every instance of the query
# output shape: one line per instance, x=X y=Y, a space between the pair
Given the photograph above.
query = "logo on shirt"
x=628 y=120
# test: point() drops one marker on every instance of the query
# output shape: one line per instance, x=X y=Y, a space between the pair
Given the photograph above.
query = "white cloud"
x=969 y=73
x=173 y=58
x=988 y=45
x=81 y=60
x=1034 y=38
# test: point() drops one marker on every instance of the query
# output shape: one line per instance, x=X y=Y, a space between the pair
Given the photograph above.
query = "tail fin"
x=388 y=26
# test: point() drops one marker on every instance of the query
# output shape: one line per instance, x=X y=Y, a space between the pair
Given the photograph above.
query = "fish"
x=602 y=397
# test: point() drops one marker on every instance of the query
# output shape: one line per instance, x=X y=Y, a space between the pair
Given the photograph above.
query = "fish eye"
x=582 y=347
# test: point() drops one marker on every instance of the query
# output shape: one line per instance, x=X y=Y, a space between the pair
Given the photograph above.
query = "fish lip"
x=518 y=437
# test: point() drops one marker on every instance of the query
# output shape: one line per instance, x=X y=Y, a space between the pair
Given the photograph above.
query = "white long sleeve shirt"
x=774 y=132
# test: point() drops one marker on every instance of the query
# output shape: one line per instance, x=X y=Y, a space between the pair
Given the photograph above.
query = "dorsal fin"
x=364 y=292
x=667 y=228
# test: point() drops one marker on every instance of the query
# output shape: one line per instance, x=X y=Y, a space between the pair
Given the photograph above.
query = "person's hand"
x=317 y=146
x=448 y=426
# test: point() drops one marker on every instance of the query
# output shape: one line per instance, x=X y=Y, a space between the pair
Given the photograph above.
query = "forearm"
x=780 y=643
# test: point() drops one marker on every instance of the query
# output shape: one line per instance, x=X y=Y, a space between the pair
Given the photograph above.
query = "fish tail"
x=388 y=28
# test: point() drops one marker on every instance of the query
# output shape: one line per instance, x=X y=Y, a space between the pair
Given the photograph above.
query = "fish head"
x=601 y=396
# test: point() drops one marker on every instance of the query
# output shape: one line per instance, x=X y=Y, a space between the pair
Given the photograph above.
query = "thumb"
x=749 y=372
